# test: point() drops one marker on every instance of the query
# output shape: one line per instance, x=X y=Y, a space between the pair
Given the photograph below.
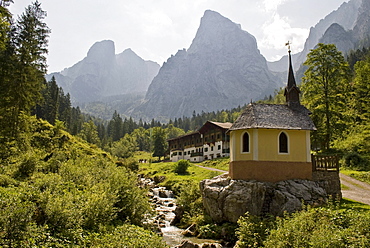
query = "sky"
x=157 y=29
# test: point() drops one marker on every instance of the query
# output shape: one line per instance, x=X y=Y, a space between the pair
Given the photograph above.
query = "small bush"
x=253 y=230
x=182 y=167
x=225 y=231
x=26 y=166
x=355 y=161
x=128 y=163
x=6 y=181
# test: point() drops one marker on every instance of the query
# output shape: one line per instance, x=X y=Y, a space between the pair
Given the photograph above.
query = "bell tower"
x=291 y=91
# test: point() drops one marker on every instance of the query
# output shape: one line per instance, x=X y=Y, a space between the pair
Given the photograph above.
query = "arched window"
x=245 y=147
x=283 y=143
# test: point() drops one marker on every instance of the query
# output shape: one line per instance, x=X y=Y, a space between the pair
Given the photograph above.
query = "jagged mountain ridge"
x=102 y=73
x=222 y=69
x=355 y=38
x=346 y=16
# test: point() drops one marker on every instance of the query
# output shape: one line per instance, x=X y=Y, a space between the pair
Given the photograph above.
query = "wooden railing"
x=325 y=162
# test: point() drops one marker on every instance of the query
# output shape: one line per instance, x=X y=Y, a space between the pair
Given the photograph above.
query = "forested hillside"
x=55 y=189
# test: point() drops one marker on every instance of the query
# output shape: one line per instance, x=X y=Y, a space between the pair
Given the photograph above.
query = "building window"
x=245 y=147
x=219 y=147
x=180 y=153
x=211 y=148
x=206 y=149
x=283 y=143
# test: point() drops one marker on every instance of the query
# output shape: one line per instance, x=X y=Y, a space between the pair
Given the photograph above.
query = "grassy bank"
x=363 y=176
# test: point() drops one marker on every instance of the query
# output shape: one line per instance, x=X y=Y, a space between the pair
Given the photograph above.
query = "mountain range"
x=221 y=69
x=103 y=74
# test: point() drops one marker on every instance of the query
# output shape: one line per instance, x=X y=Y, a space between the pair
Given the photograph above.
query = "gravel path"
x=357 y=190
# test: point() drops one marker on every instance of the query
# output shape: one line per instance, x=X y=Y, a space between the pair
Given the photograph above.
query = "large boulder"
x=226 y=200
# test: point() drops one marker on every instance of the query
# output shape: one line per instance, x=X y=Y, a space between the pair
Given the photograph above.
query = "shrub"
x=321 y=227
x=16 y=211
x=126 y=236
x=253 y=230
x=6 y=181
x=129 y=163
x=27 y=165
x=355 y=161
x=182 y=167
x=225 y=231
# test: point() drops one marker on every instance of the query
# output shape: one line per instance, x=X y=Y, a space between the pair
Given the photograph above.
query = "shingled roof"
x=274 y=116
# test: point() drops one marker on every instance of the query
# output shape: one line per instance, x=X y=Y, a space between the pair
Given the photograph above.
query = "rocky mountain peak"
x=222 y=69
x=101 y=50
x=337 y=35
x=102 y=74
x=216 y=32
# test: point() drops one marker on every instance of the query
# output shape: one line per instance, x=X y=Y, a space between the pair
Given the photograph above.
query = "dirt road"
x=357 y=190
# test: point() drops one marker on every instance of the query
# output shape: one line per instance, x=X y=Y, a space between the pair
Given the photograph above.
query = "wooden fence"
x=325 y=162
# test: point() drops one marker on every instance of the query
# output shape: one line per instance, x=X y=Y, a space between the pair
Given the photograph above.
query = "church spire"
x=291 y=91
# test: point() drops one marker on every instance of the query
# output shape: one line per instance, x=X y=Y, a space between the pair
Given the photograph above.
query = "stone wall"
x=330 y=181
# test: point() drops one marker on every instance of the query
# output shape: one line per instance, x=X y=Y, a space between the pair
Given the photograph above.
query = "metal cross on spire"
x=288 y=45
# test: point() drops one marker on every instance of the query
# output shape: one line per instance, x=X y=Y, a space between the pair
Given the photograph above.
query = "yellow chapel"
x=271 y=142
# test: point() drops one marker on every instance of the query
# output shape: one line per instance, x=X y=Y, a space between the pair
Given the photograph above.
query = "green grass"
x=350 y=204
x=363 y=176
x=344 y=187
x=218 y=163
x=172 y=179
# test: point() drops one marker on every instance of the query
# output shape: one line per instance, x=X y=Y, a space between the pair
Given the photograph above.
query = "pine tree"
x=22 y=74
x=159 y=142
x=115 y=127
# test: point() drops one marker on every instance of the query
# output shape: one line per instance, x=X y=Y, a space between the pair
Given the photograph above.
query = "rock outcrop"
x=226 y=200
x=222 y=69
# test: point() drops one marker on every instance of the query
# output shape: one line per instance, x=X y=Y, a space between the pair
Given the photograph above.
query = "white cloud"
x=278 y=31
x=272 y=5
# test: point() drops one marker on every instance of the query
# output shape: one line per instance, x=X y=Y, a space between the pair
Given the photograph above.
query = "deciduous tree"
x=325 y=92
x=361 y=92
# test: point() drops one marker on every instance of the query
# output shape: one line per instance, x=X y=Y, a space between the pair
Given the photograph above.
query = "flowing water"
x=165 y=205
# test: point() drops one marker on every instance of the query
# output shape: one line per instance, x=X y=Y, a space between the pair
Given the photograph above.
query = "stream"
x=165 y=205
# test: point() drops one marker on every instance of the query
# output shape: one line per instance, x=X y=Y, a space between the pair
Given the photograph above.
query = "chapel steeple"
x=291 y=91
